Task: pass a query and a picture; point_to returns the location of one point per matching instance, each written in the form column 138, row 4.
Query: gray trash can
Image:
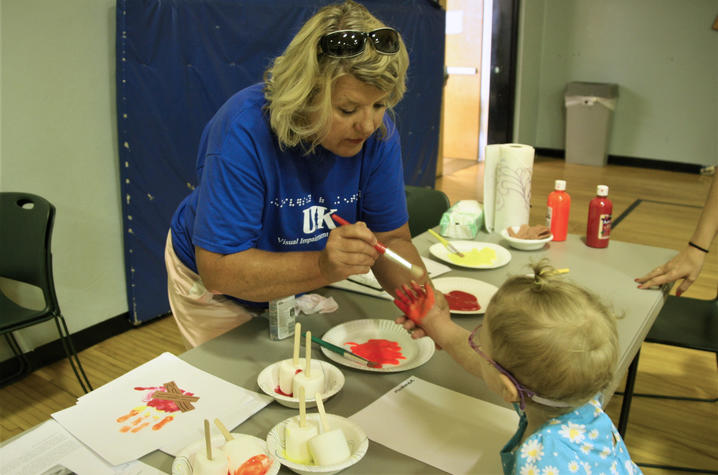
column 589, row 110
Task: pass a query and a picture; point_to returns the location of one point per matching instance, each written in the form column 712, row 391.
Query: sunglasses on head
column 348, row 43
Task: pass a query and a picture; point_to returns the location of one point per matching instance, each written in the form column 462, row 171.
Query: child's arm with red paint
column 415, row 302
column 425, row 312
column 434, row 319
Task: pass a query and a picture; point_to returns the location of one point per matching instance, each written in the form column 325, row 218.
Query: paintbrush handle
column 394, row 256
column 338, row 349
column 439, row 237
column 446, row 243
column 340, row 220
column 380, row 247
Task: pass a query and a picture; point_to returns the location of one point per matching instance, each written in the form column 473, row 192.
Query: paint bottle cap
column 602, row 190
column 560, row 185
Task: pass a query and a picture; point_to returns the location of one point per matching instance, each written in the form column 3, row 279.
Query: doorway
column 461, row 125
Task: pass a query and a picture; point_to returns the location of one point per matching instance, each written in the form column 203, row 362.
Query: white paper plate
column 415, row 352
column 483, row 291
column 182, row 466
column 268, row 380
column 503, row 256
column 356, row 439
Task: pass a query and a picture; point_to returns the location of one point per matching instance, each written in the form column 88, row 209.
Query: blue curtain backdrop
column 179, row 60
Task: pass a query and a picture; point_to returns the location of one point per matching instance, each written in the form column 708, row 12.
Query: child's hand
column 415, row 303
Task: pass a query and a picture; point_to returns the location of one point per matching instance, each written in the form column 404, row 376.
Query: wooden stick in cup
column 207, row 439
column 297, row 342
column 322, row 413
column 227, row 435
column 302, row 407
column 308, row 354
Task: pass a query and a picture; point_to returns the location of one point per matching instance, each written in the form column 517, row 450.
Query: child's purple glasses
column 524, row 392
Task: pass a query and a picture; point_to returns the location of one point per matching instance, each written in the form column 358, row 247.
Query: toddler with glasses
column 550, row 347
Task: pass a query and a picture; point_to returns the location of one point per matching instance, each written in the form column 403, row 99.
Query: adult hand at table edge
column 687, row 265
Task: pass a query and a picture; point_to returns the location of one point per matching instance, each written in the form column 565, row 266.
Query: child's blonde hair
column 555, row 337
column 298, row 84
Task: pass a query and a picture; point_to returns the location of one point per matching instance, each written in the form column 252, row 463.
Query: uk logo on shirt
column 316, row 218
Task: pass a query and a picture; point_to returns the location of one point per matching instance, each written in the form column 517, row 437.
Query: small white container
column 525, row 244
column 268, row 382
column 356, row 439
column 282, row 316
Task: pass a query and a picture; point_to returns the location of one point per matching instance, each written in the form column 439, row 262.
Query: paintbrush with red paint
column 417, row 272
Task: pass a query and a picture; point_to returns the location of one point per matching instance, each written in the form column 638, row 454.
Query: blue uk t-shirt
column 252, row 194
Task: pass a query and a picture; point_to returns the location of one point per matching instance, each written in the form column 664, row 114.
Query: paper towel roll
column 507, row 185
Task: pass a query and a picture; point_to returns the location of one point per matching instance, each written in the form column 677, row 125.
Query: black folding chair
column 26, row 223
column 683, row 322
column 426, row 206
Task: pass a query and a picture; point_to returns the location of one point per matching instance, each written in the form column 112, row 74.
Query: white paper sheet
column 507, row 185
column 49, row 448
column 367, row 283
column 121, row 421
column 442, row 428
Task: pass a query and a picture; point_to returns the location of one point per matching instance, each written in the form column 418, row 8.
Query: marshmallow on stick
column 330, row 447
column 234, row 449
column 311, row 381
column 211, row 461
column 298, row 432
column 288, row 368
column 241, row 455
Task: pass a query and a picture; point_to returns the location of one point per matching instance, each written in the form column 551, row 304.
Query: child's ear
column 508, row 390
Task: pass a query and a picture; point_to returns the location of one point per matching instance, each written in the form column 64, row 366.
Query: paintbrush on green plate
column 345, row 353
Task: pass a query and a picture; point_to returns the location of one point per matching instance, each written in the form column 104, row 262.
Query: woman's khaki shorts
column 200, row 314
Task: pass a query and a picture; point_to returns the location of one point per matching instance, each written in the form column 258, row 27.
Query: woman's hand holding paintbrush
column 417, row 272
column 348, row 251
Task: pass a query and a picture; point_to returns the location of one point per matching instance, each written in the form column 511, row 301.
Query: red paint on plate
column 462, row 301
column 379, row 351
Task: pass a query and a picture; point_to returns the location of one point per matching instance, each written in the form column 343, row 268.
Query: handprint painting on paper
column 161, row 403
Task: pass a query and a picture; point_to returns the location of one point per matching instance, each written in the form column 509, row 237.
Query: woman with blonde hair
column 277, row 160
column 549, row 347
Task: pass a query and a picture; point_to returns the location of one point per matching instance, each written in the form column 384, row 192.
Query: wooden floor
column 664, row 207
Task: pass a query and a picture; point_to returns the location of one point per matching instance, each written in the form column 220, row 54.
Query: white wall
column 663, row 54
column 58, row 139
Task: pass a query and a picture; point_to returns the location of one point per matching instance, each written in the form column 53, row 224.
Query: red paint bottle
column 557, row 210
column 598, row 228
